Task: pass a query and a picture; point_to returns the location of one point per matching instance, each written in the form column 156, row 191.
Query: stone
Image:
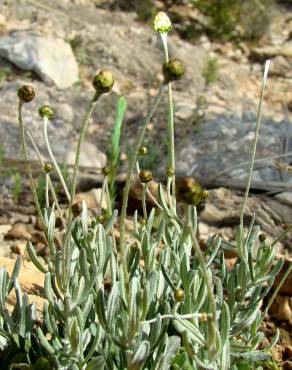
column 90, row 156
column 92, row 199
column 281, row 66
column 50, row 58
column 285, row 197
column 31, row 282
column 269, row 51
column 282, row 308
column 18, row 231
column 286, row 288
column 221, row 150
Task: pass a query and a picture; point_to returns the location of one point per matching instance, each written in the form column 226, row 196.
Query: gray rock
column 226, row 143
column 285, row 197
column 51, row 58
column 272, row 51
column 90, row 156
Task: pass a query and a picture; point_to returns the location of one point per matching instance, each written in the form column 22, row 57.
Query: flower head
column 173, row 70
column 48, row 167
column 26, row 93
column 145, row 176
column 103, row 82
column 162, row 23
column 46, row 111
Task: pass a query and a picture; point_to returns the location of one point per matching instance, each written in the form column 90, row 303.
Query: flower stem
column 253, row 154
column 170, row 124
column 85, row 123
column 27, row 165
column 130, row 171
column 57, row 168
column 201, row 261
column 51, row 188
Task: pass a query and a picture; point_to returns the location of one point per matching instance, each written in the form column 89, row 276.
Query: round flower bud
column 203, row 317
column 46, row 111
column 173, row 70
column 48, row 167
column 105, row 170
column 262, row 237
column 103, row 82
column 26, row 93
column 143, row 150
column 76, row 209
column 145, row 176
column 179, row 295
column 205, row 193
column 100, row 219
column 161, row 23
column 170, row 172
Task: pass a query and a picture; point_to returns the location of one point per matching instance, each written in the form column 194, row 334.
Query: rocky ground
column 58, row 46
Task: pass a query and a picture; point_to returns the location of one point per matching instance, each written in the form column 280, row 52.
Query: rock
column 285, row 197
column 92, row 199
column 30, row 279
column 19, row 247
column 222, row 209
column 281, row 66
column 266, row 52
column 287, row 286
column 51, row 58
column 4, row 245
column 17, row 231
column 221, row 145
column 90, row 156
column 288, row 351
column 282, row 308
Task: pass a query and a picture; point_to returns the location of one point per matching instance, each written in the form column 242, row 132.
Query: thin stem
column 27, row 165
column 170, row 316
column 170, row 124
column 108, row 195
column 57, row 168
column 151, row 196
column 101, row 196
column 258, row 123
column 282, row 235
column 85, row 123
column 47, row 190
column 201, row 261
column 51, row 188
column 130, row 171
column 144, row 191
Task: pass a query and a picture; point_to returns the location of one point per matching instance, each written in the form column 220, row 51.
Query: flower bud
column 100, row 219
column 145, row 176
column 162, row 23
column 103, row 82
column 203, row 317
column 26, row 93
column 76, row 209
column 170, row 172
column 48, row 167
column 205, row 194
column 262, row 237
column 46, row 111
column 179, row 295
column 105, row 170
column 173, row 70
column 143, row 151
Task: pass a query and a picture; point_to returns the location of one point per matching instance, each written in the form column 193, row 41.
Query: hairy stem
column 56, row 166
column 130, row 171
column 253, row 154
column 170, row 124
column 85, row 123
column 201, row 261
column 27, row 165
